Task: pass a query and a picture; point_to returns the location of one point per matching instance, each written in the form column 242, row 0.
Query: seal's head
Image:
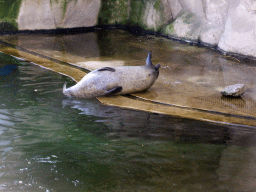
column 150, row 64
column 157, row 67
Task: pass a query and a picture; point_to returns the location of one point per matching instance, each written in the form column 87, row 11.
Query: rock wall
column 229, row 25
column 202, row 20
column 239, row 34
column 53, row 14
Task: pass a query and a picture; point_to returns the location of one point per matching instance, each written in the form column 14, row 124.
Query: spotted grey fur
column 115, row 80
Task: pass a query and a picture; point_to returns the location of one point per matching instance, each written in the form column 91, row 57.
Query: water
column 51, row 143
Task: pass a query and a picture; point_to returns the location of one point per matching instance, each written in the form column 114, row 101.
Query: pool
column 52, row 143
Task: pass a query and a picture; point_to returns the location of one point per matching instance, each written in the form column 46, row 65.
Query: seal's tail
column 64, row 87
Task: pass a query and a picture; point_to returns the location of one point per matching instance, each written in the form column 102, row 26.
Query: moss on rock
column 113, row 12
column 6, row 26
column 9, row 10
column 146, row 14
column 137, row 9
column 186, row 26
column 157, row 5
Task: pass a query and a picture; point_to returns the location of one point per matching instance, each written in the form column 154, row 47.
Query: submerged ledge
column 68, row 66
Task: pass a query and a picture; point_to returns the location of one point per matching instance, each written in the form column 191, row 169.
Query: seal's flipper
column 64, row 87
column 148, row 60
column 114, row 90
column 107, row 69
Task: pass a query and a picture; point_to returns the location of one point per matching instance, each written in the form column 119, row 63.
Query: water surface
column 51, row 143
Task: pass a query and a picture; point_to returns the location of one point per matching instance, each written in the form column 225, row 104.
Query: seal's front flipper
column 114, row 90
column 107, row 69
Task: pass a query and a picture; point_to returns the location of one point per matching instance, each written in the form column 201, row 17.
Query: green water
column 51, row 143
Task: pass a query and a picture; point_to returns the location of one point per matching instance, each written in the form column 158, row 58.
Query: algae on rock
column 113, row 12
column 153, row 16
column 9, row 10
column 146, row 14
column 137, row 9
column 186, row 26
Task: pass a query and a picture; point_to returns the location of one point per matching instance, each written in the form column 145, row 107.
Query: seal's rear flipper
column 114, row 90
column 148, row 60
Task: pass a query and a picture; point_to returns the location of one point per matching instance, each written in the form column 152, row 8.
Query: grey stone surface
column 239, row 35
column 236, row 90
column 202, row 20
column 215, row 17
column 186, row 26
column 45, row 14
column 36, row 15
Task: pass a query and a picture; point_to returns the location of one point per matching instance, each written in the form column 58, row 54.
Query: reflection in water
column 7, row 69
column 81, row 45
column 52, row 143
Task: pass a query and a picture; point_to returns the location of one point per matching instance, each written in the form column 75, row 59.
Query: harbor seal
column 115, row 81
